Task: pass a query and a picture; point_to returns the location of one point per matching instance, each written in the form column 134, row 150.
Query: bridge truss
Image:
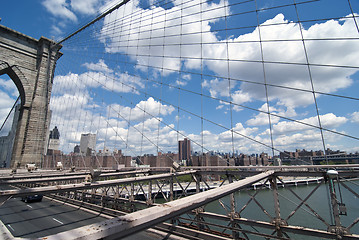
column 190, row 203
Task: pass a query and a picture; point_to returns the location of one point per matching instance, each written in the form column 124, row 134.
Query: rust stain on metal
column 125, row 220
column 165, row 205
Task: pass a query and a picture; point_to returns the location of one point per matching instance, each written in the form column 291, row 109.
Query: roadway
column 40, row 219
column 44, row 218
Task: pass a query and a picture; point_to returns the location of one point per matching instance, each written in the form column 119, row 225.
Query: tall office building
column 184, row 149
column 88, row 141
column 54, row 139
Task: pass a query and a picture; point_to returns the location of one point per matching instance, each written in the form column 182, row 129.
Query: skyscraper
column 54, row 139
column 184, row 149
column 88, row 141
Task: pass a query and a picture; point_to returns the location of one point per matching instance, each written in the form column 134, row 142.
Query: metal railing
column 211, row 202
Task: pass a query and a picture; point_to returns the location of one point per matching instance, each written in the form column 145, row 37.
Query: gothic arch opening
column 10, row 103
column 16, row 76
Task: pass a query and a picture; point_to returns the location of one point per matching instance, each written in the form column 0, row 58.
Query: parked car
column 32, row 198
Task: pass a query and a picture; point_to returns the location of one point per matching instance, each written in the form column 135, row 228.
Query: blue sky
column 169, row 78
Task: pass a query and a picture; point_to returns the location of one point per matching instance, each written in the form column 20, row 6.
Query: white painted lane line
column 11, row 227
column 57, row 221
column 29, row 206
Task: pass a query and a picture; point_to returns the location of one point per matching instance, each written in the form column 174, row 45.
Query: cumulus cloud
column 184, row 80
column 291, row 135
column 71, row 11
column 119, row 126
column 239, row 132
column 9, row 87
column 8, row 96
column 242, row 140
column 6, row 103
column 165, row 41
column 99, row 76
column 56, row 31
column 162, row 41
column 87, row 7
column 101, row 66
column 143, row 110
column 328, row 121
column 262, row 117
column 68, row 9
column 60, row 8
column 326, row 79
column 355, row 117
column 217, row 88
column 157, row 35
column 65, row 104
column 239, row 97
column 309, row 140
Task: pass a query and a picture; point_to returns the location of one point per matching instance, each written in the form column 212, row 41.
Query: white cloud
column 262, row 117
column 67, row 9
column 60, row 8
column 217, row 88
column 299, row 140
column 69, row 83
column 184, row 80
column 326, row 79
column 143, row 110
column 239, row 132
column 8, row 96
column 64, row 104
column 155, row 49
column 6, row 102
column 160, row 45
column 328, row 121
column 101, row 76
column 239, row 97
column 121, row 127
column 355, row 117
column 87, row 7
column 56, row 31
column 10, row 87
column 309, row 140
column 242, row 140
column 101, row 66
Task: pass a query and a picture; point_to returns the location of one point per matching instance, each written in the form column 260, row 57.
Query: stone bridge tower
column 30, row 63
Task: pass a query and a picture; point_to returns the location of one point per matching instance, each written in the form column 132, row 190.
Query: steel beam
column 278, row 168
column 68, row 178
column 289, row 229
column 346, row 171
column 188, row 232
column 39, row 175
column 85, row 186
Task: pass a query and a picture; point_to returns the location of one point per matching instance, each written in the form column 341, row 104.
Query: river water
column 288, row 202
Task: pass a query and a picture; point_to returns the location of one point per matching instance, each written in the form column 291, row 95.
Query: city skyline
column 184, row 146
